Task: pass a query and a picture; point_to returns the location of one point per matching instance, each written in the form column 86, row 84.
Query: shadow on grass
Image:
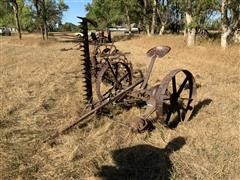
column 142, row 162
column 200, row 105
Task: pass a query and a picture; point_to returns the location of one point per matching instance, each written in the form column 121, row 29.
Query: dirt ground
column 40, row 88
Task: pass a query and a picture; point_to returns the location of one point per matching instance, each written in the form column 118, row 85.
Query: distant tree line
column 68, row 27
column 157, row 16
column 32, row 15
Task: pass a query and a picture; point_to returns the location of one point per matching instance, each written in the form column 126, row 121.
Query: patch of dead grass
column 41, row 90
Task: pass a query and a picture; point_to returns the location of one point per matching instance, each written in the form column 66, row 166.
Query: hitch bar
column 83, row 119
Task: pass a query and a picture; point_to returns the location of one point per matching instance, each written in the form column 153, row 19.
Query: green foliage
column 200, row 10
column 48, row 11
column 26, row 20
column 29, row 19
column 54, row 12
column 68, row 27
column 192, row 25
column 213, row 25
column 6, row 14
column 112, row 12
column 103, row 12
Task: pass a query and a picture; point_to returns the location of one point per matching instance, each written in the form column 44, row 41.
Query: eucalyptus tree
column 15, row 5
column 26, row 19
column 164, row 14
column 146, row 17
column 114, row 12
column 104, row 12
column 16, row 13
column 230, row 19
column 196, row 12
column 47, row 14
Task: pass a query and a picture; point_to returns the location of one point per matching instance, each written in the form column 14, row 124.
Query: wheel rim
column 176, row 97
column 112, row 79
column 104, row 51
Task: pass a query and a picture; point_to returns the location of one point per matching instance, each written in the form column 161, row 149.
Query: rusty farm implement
column 169, row 101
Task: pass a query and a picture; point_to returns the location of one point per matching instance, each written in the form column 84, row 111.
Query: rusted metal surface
column 86, row 62
column 104, row 50
column 106, row 64
column 178, row 103
column 116, row 76
column 158, row 51
column 168, row 102
column 168, row 105
column 153, row 53
column 83, row 119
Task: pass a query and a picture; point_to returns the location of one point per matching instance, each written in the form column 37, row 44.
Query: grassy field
column 40, row 90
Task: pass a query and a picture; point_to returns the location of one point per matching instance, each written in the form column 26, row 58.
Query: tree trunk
column 146, row 24
column 162, row 22
column 128, row 20
column 224, row 36
column 16, row 14
column 45, row 29
column 45, row 26
column 228, row 26
column 42, row 31
column 154, row 16
column 185, row 32
column 191, row 38
column 39, row 18
column 225, row 26
column 236, row 18
column 139, row 26
column 162, row 29
column 148, row 29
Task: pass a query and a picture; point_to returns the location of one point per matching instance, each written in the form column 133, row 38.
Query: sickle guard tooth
column 86, row 64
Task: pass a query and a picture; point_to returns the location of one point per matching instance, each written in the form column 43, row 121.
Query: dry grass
column 40, row 90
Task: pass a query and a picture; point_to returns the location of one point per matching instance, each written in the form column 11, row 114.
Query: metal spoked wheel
column 105, row 50
column 112, row 79
column 177, row 97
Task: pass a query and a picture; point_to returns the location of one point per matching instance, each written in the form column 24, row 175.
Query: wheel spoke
column 111, row 69
column 182, row 98
column 168, row 116
column 117, row 71
column 182, row 86
column 114, row 74
column 177, row 95
column 185, row 108
column 122, row 78
column 167, row 99
column 174, row 85
column 108, row 93
column 119, row 82
column 179, row 113
column 109, row 79
column 117, row 75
